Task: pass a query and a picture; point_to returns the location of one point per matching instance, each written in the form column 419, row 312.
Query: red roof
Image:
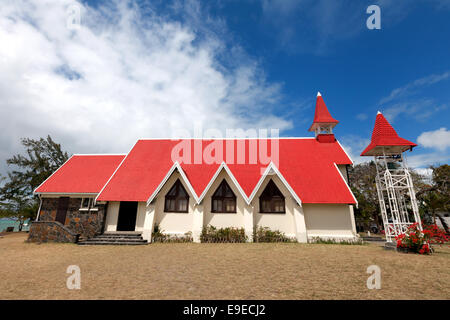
column 81, row 174
column 322, row 115
column 306, row 164
column 384, row 135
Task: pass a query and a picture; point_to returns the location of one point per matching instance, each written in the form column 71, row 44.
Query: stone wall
column 50, row 231
column 84, row 223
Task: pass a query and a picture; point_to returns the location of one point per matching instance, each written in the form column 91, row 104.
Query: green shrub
column 320, row 240
column 264, row 234
column 159, row 236
column 211, row 234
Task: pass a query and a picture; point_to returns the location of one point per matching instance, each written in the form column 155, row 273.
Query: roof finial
column 379, row 112
column 318, row 94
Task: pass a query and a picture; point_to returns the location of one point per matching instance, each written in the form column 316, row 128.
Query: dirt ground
column 218, row 271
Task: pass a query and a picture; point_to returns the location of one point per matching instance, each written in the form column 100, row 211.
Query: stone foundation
column 84, row 224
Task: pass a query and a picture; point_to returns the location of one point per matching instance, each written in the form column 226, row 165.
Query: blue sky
column 310, row 46
column 134, row 69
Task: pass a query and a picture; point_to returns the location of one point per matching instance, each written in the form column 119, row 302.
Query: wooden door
column 63, row 205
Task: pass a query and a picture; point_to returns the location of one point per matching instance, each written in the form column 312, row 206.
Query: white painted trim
column 34, row 191
column 345, row 151
column 186, row 180
column 223, row 165
column 65, row 194
column 348, row 187
column 120, row 164
column 177, row 166
column 272, row 166
column 39, row 210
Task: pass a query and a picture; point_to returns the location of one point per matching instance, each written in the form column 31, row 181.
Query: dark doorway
column 63, row 205
column 127, row 216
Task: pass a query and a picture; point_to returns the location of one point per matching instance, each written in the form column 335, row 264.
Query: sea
column 7, row 222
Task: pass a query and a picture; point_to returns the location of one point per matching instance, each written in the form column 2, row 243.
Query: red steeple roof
column 322, row 115
column 384, row 135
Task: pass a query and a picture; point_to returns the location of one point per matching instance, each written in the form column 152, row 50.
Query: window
column 88, row 204
column 177, row 199
column 85, row 203
column 223, row 200
column 271, row 200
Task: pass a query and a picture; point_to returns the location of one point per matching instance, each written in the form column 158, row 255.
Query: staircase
column 115, row 238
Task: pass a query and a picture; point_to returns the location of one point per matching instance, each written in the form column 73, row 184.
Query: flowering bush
column 414, row 240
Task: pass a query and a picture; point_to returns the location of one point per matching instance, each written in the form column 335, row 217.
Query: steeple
column 323, row 123
column 395, row 188
column 385, row 139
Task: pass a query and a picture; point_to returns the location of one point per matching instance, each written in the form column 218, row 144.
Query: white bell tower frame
column 395, row 189
column 396, row 194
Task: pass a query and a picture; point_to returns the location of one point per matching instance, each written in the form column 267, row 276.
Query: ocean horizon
column 8, row 222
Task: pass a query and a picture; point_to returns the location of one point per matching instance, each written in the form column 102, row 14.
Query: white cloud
column 354, row 145
column 426, row 173
column 437, row 139
column 361, row 116
column 411, row 87
column 419, row 109
column 124, row 74
column 425, row 160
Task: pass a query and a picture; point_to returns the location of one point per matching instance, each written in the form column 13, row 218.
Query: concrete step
column 118, row 243
column 131, row 233
column 116, row 240
column 119, row 238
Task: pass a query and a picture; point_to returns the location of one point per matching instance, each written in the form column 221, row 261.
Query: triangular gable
column 176, row 166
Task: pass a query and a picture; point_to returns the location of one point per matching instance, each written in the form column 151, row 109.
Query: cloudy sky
column 97, row 75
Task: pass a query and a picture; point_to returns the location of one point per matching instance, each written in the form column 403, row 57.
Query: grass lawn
column 218, row 271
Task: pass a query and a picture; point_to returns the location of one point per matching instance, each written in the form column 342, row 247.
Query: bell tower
column 395, row 189
column 323, row 123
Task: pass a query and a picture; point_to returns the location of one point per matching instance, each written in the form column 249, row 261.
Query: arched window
column 223, row 200
column 177, row 199
column 271, row 199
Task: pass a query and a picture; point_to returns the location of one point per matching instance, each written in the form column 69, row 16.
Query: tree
column 436, row 197
column 362, row 183
column 42, row 158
